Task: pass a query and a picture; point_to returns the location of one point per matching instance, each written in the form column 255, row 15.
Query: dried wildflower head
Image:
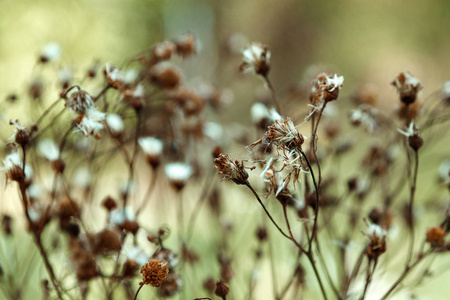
column 115, row 125
column 222, row 289
column 13, row 165
column 435, row 236
column 284, row 135
column 186, row 45
column 256, row 59
column 178, row 174
column 114, row 77
column 154, row 272
column 163, row 51
column 91, row 122
column 165, row 75
column 326, row 88
column 407, row 87
column 415, row 141
column 231, row 170
column 152, row 148
column 50, row 52
column 377, row 241
column 22, row 136
column 79, row 101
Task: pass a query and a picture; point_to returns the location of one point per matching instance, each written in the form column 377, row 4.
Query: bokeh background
column 365, row 41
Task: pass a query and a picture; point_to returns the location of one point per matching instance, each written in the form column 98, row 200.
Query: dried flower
column 231, row 170
column 79, row 102
column 326, row 88
column 92, row 122
column 178, row 173
column 13, row 165
column 163, row 51
column 154, row 273
column 49, row 52
column 256, row 59
column 377, row 241
column 22, row 135
column 415, row 141
column 152, row 148
column 407, row 86
column 435, row 236
column 222, row 289
column 165, row 75
column 284, row 135
column 114, row 77
column 186, row 45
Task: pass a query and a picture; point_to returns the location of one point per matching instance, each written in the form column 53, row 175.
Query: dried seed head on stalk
column 415, row 141
column 231, row 170
column 435, row 236
column 377, row 241
column 284, row 135
column 178, row 174
column 79, row 101
column 49, row 52
column 326, row 88
column 91, row 122
column 256, row 59
column 22, row 136
column 114, row 77
column 152, row 148
column 407, row 87
column 12, row 164
column 154, row 272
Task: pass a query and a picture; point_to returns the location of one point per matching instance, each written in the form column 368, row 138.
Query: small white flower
column 151, row 145
column 92, row 122
column 48, row 149
column 138, row 91
column 51, row 51
column 115, row 123
column 178, row 171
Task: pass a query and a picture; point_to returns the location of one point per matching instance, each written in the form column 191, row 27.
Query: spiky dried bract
column 256, row 59
column 154, row 272
column 284, row 135
column 407, row 86
column 231, row 170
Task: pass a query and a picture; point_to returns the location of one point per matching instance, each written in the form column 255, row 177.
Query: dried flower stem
column 137, row 292
column 369, row 276
column 405, row 273
column 37, row 235
column 411, row 205
column 275, row 98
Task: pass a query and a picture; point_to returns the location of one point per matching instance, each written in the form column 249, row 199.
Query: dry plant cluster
column 345, row 210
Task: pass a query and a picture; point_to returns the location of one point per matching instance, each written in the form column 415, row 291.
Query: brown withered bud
column 407, row 87
column 106, row 241
column 381, row 217
column 412, row 112
column 6, row 224
column 73, row 229
column 352, row 184
column 163, row 51
column 59, row 166
column 130, row 267
column 377, row 241
column 154, row 273
column 165, row 75
column 435, row 236
column 67, row 209
column 326, row 88
column 222, row 289
column 216, row 151
column 226, row 273
column 415, row 141
column 186, row 45
column 84, row 261
column 109, row 203
column 130, row 226
column 209, row 284
column 231, row 170
column 36, row 89
column 22, row 136
column 261, row 233
column 170, row 286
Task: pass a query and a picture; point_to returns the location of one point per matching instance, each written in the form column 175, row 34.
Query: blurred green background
column 362, row 40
